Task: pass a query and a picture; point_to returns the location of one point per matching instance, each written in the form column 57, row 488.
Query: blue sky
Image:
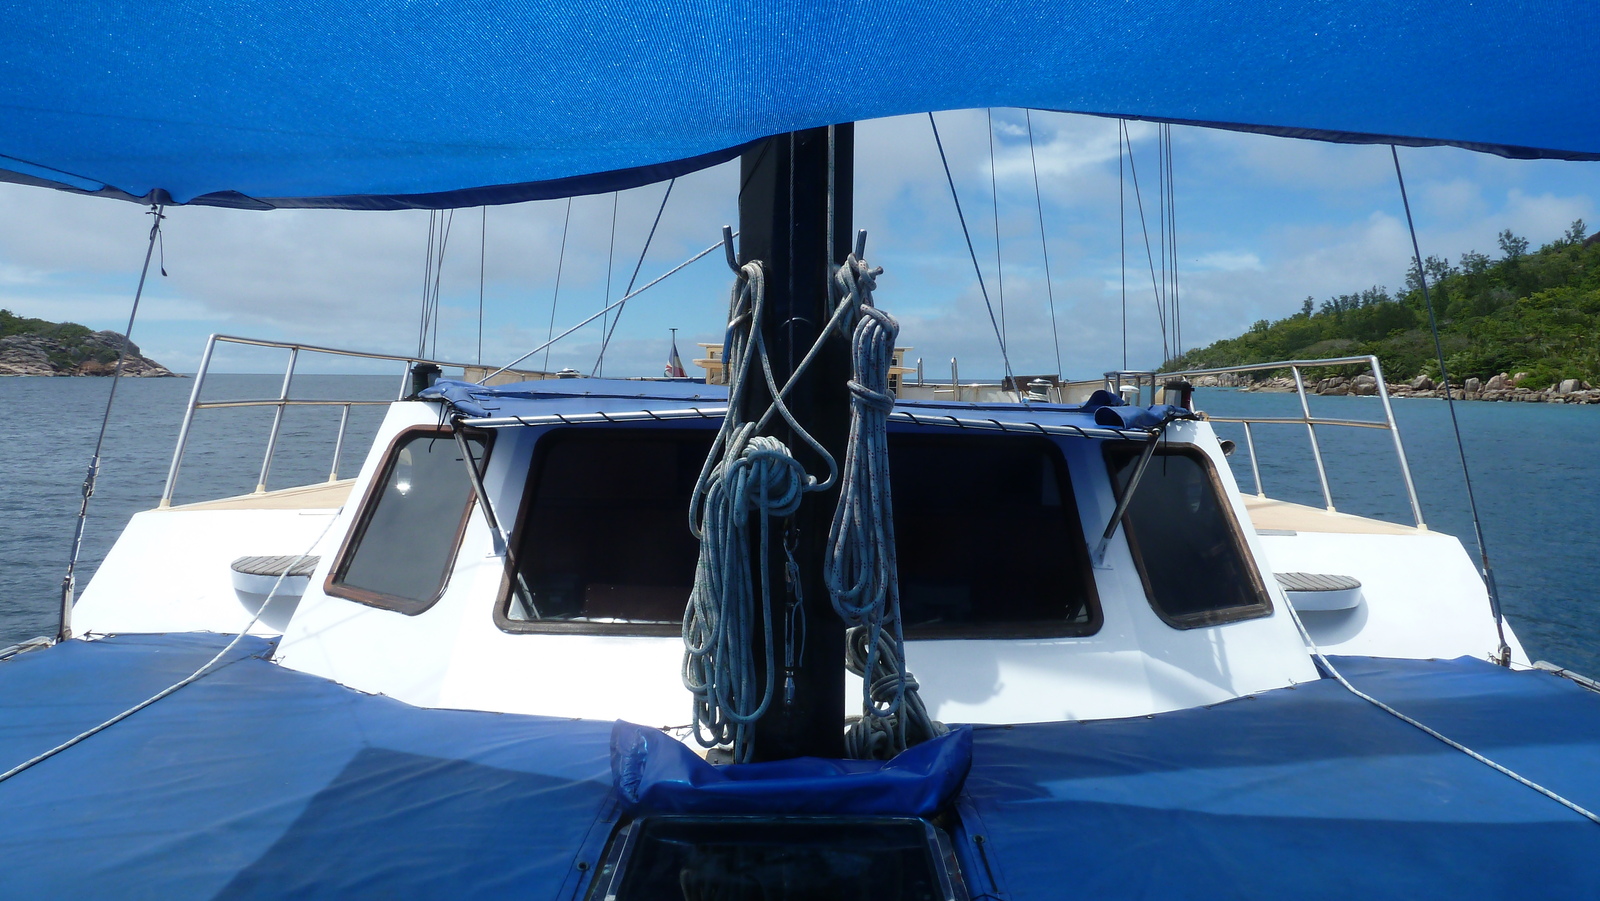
column 1262, row 223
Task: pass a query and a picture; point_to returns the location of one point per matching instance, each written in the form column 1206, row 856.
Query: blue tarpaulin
column 258, row 781
column 1305, row 793
column 395, row 104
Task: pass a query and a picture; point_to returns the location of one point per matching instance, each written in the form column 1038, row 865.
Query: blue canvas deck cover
column 258, row 781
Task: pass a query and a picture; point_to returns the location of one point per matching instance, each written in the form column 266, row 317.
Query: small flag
column 674, row 368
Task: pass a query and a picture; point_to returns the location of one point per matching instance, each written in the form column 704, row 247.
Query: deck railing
column 1116, row 380
column 284, row 401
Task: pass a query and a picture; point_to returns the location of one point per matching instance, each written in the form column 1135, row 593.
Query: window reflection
column 1185, row 540
column 403, row 550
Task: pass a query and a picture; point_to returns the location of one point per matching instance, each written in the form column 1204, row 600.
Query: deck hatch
column 667, row 858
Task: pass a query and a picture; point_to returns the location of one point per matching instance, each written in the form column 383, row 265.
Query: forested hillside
column 40, row 347
column 1535, row 312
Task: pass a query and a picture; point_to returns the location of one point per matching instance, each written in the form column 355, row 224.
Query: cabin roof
column 556, row 397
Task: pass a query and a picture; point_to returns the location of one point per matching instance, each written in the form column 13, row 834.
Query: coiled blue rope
column 745, row 474
column 860, row 568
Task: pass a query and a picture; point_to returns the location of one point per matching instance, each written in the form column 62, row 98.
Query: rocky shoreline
column 92, row 354
column 1503, row 387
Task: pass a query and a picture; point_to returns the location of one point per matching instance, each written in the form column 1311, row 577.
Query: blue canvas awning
column 388, row 105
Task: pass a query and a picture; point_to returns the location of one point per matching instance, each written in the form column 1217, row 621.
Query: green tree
column 1535, row 312
column 1512, row 247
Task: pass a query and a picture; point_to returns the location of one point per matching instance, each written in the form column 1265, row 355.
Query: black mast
column 795, row 194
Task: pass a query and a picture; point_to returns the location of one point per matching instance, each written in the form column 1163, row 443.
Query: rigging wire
column 994, row 198
column 438, row 274
column 483, row 243
column 1122, row 232
column 1162, row 297
column 611, row 257
column 561, row 261
column 998, row 334
column 1503, row 653
column 1172, row 236
column 1038, row 201
column 69, row 582
column 624, row 299
column 601, row 359
column 1138, row 196
column 433, row 270
column 427, row 280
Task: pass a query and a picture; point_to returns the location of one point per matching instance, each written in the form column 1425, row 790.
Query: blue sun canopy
column 387, row 105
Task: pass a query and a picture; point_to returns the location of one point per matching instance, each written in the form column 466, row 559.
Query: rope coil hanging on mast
column 747, row 473
column 744, row 473
column 860, row 568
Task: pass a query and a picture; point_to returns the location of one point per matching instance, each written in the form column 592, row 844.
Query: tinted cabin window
column 989, row 538
column 606, row 533
column 1185, row 540
column 411, row 526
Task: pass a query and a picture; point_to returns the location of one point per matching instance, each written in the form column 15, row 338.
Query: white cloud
column 99, row 308
column 1229, row 261
column 21, row 275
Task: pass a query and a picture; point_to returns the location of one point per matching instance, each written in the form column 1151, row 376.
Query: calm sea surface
column 1533, row 468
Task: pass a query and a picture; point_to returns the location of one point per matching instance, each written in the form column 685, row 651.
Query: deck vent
column 1320, row 591
column 255, row 577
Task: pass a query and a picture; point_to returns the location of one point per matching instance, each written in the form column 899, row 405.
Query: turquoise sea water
column 1533, row 467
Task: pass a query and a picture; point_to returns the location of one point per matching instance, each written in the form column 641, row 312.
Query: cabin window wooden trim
column 1076, row 549
column 333, row 585
column 1116, row 453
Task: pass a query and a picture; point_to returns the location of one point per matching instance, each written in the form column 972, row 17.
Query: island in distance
column 39, row 347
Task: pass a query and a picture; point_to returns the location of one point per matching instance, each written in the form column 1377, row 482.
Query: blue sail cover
column 387, row 105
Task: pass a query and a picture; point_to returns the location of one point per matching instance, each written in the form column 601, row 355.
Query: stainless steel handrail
column 277, row 421
column 301, row 402
column 283, row 400
column 1115, row 379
